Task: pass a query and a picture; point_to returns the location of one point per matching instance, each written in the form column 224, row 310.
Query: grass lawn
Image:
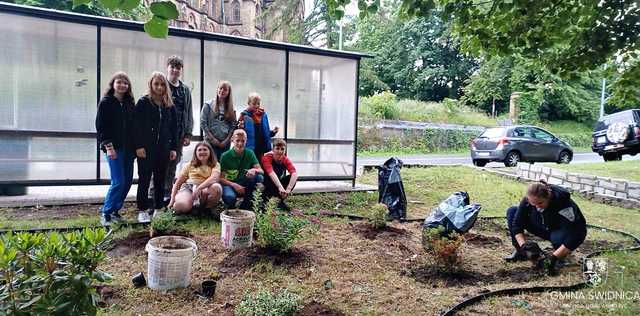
column 373, row 272
column 629, row 169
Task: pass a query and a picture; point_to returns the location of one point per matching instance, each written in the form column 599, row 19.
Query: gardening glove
column 531, row 250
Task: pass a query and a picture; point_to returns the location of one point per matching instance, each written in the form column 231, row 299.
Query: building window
column 235, row 11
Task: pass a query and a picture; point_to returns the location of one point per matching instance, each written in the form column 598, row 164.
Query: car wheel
column 612, row 157
column 479, row 163
column 512, row 159
column 565, row 157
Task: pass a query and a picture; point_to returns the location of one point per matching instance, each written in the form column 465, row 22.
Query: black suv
column 617, row 134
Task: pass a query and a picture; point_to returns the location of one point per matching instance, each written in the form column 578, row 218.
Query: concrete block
column 559, row 173
column 599, row 190
column 546, row 170
column 554, row 180
column 607, row 184
column 575, row 186
column 610, row 192
column 588, row 180
column 621, row 194
column 633, row 185
column 523, row 166
column 572, row 177
column 634, row 194
column 620, row 185
column 588, row 188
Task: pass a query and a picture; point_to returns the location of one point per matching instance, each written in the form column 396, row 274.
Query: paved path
column 453, row 159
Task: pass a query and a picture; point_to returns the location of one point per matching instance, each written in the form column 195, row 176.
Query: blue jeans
column 229, row 195
column 219, row 151
column 121, row 170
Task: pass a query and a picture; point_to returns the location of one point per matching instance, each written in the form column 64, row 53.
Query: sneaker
column 155, row 213
column 116, row 217
column 143, row 217
column 105, row 220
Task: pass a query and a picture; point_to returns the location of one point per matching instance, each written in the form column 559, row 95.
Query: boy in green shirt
column 240, row 172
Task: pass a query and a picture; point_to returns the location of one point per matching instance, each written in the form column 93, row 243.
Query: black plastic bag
column 391, row 190
column 454, row 214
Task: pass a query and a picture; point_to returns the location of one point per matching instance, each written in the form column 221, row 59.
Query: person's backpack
column 390, row 188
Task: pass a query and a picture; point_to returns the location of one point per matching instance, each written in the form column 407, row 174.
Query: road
column 436, row 159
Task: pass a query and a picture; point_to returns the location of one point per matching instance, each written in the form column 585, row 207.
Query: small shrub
column 443, row 248
column 278, row 230
column 265, row 303
column 51, row 274
column 378, row 216
column 451, row 105
column 163, row 223
column 382, row 105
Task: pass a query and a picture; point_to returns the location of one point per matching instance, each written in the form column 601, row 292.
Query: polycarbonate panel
column 47, row 158
column 187, row 154
column 322, row 95
column 321, row 160
column 248, row 69
column 139, row 55
column 48, row 75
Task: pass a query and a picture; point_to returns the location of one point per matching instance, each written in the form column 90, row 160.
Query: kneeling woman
column 549, row 213
column 197, row 183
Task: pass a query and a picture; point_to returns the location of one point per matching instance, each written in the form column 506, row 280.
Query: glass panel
column 47, row 158
column 322, row 93
column 48, row 79
column 139, row 55
column 248, row 69
column 321, row 160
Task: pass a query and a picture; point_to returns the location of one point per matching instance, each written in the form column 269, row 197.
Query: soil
column 345, row 268
column 367, row 231
column 318, row 309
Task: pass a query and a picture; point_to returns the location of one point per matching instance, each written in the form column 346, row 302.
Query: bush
column 381, row 105
column 277, row 231
column 378, row 216
column 265, row 303
column 163, row 223
column 51, row 274
column 443, row 248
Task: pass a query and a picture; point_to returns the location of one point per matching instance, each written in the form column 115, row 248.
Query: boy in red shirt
column 276, row 164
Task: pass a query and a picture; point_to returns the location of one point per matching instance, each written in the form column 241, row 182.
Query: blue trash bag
column 454, row 214
column 390, row 188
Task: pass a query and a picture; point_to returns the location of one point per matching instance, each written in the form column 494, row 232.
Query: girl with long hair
column 156, row 140
column 197, row 184
column 218, row 119
column 114, row 125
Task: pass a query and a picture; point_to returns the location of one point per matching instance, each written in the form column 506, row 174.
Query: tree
column 416, row 59
column 564, row 36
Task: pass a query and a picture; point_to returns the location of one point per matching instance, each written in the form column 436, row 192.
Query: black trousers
column 271, row 189
column 155, row 164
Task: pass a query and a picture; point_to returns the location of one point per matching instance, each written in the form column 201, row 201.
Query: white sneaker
column 143, row 217
column 156, row 213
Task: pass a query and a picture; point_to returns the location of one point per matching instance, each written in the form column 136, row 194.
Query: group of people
column 230, row 163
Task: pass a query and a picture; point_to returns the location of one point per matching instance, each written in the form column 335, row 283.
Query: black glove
column 530, row 250
column 548, row 264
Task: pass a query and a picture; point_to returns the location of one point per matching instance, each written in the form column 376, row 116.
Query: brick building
column 235, row 17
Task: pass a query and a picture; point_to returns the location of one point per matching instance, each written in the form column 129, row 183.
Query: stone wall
column 612, row 191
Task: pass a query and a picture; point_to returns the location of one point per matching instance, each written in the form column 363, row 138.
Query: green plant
column 382, row 105
column 443, row 247
column 163, row 223
column 451, row 105
column 265, row 303
column 278, row 230
column 51, row 274
column 378, row 216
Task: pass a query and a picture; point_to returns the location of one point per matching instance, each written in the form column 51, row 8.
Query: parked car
column 617, row 134
column 512, row 144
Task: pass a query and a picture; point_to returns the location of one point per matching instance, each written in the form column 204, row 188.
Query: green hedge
column 415, row 141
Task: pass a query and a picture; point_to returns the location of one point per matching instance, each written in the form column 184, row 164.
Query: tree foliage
column 564, row 36
column 415, row 59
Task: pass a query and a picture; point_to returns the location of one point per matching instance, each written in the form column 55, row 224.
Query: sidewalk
column 58, row 195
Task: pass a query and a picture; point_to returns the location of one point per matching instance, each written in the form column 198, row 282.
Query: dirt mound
column 482, row 240
column 318, row 309
column 435, row 277
column 135, row 243
column 367, row 231
column 242, row 259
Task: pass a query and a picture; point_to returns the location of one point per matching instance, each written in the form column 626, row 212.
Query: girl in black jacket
column 114, row 126
column 155, row 141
